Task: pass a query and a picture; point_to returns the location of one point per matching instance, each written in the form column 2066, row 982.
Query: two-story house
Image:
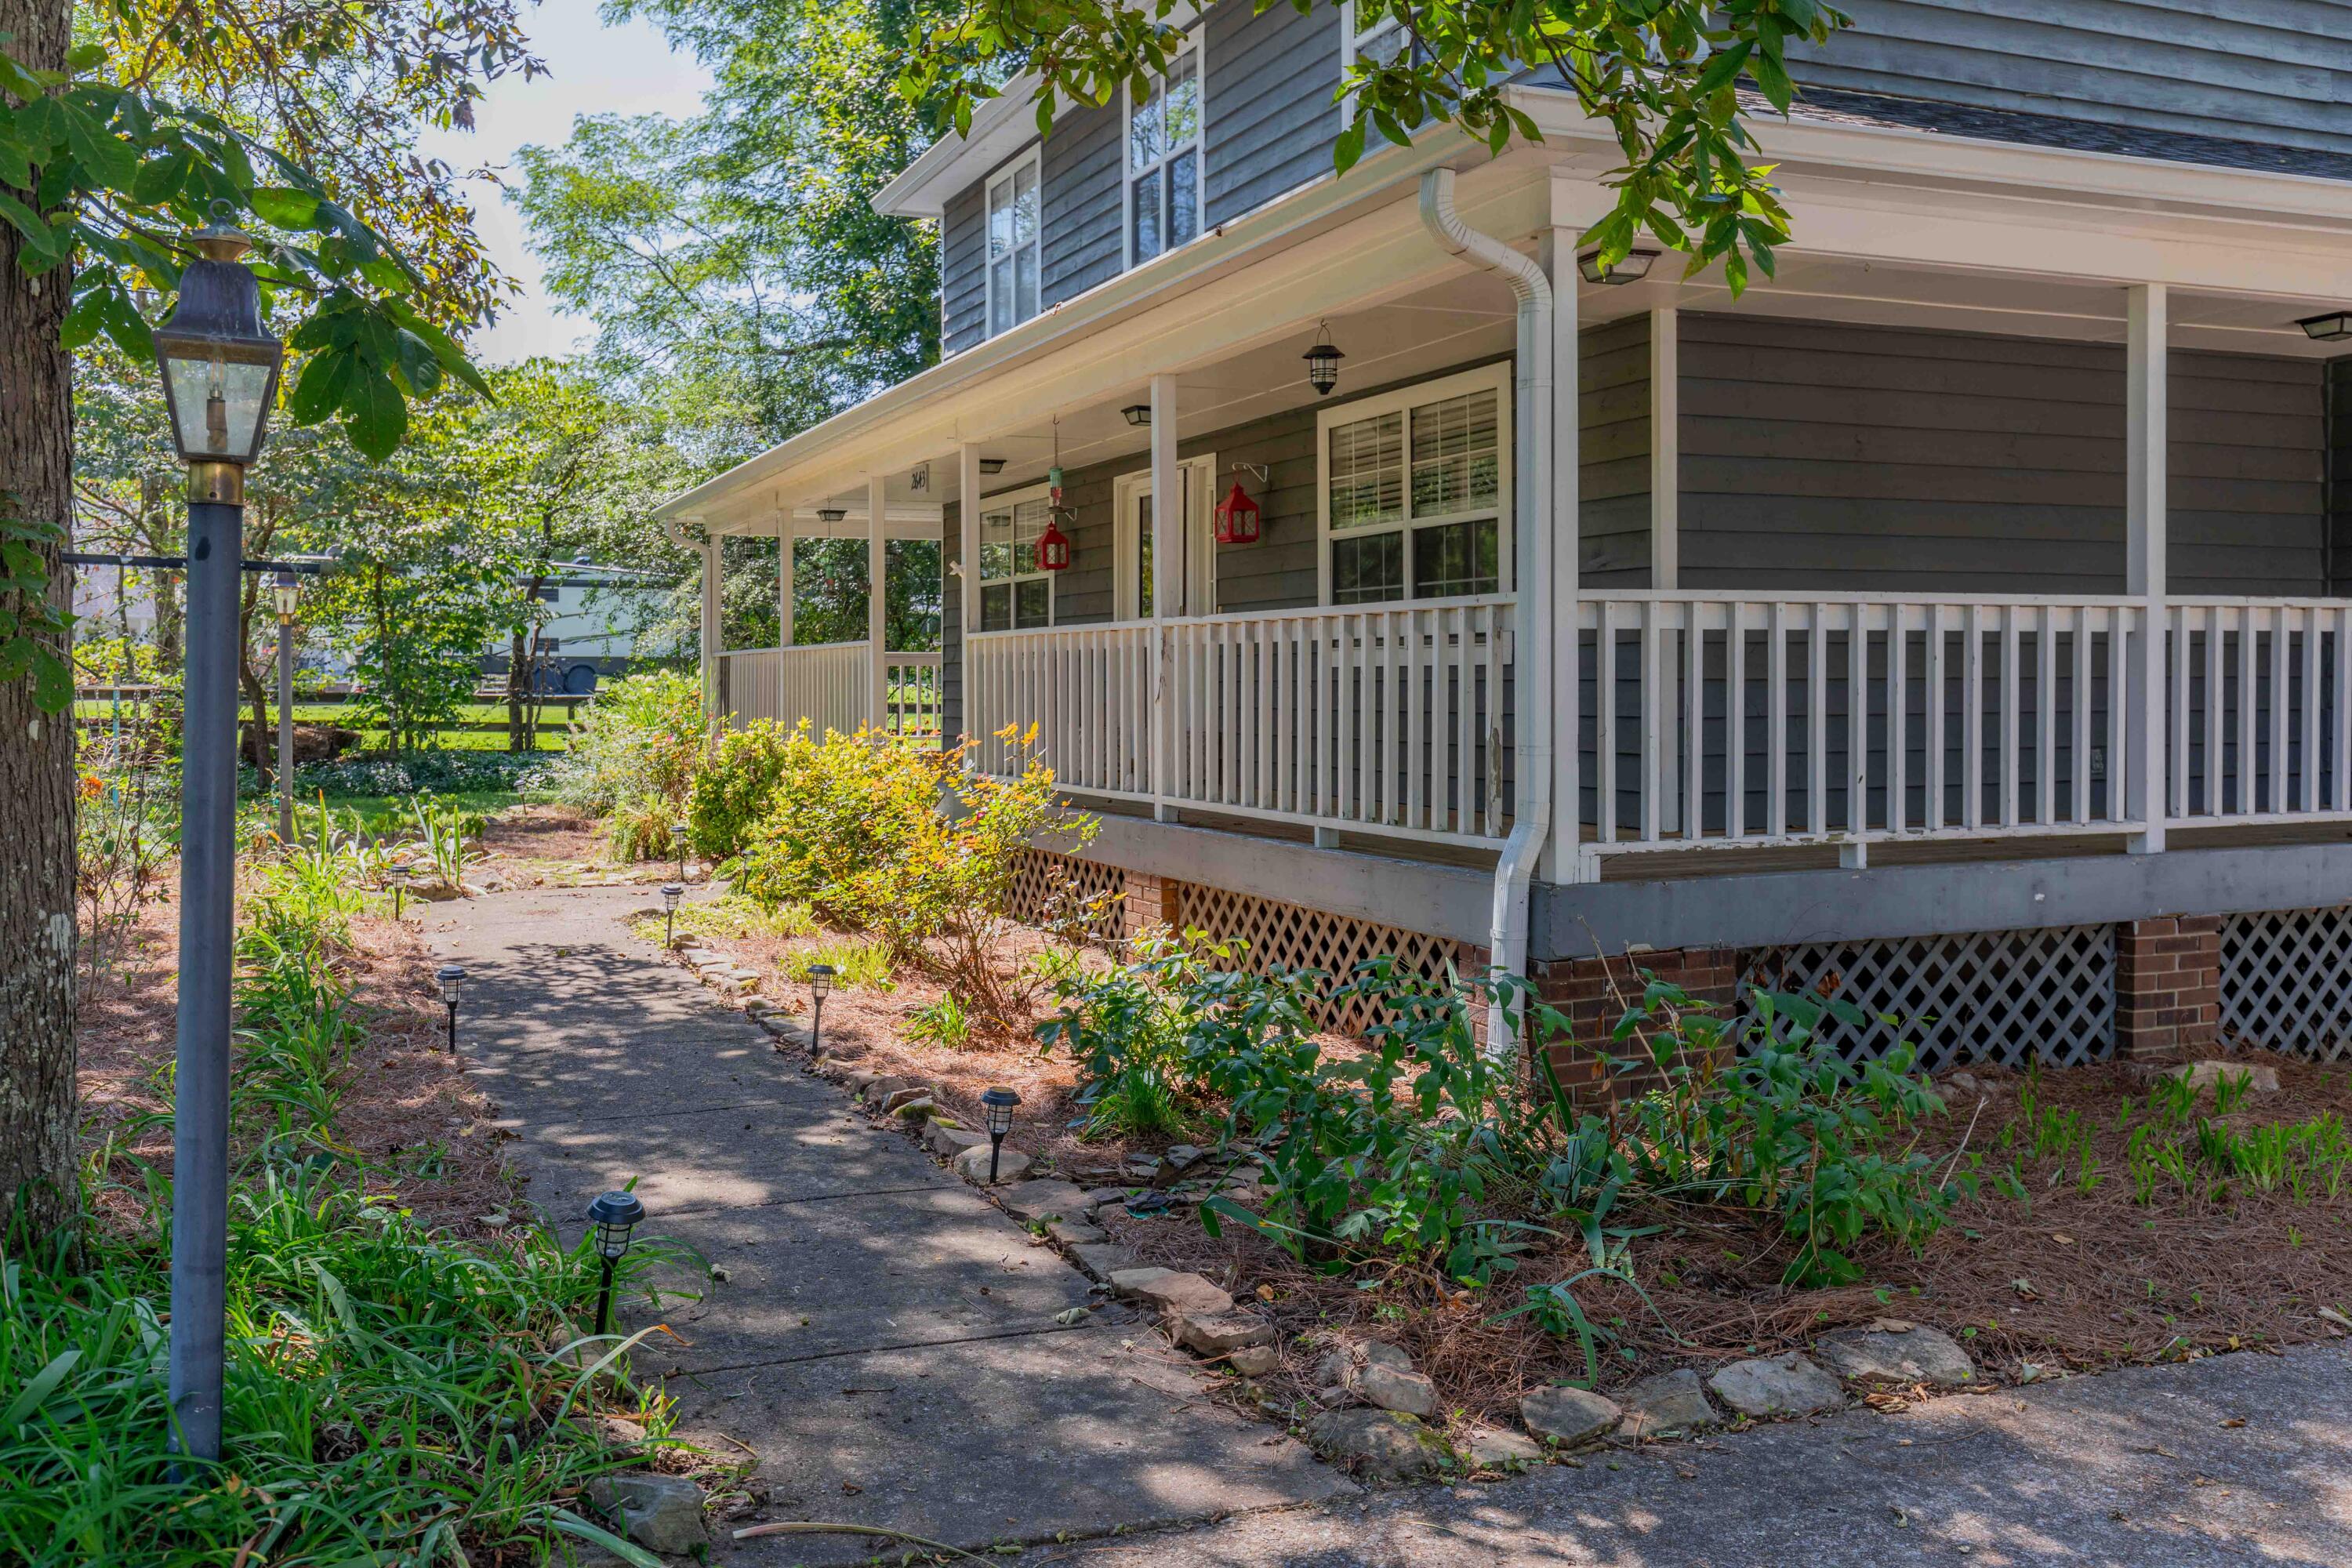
column 1959, row 614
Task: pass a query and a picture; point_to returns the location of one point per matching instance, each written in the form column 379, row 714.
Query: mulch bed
column 2064, row 1280
column 423, row 1128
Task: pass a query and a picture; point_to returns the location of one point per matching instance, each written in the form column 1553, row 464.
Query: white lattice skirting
column 1292, row 936
column 2007, row 996
column 1049, row 888
column 2286, row 981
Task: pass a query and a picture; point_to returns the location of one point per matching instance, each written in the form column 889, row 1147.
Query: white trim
column 1350, row 38
column 1196, row 49
column 999, row 125
column 1010, row 169
column 1495, row 377
column 1005, row 501
column 1200, row 545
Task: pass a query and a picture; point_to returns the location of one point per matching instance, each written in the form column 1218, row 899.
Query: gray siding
column 1612, row 400
column 963, row 286
column 1271, row 117
column 1079, row 171
column 1863, row 458
column 2275, row 71
column 2339, row 474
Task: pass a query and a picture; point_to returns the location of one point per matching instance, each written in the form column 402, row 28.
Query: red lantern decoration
column 1052, row 545
column 1237, row 518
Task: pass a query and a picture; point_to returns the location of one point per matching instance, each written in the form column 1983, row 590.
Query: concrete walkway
column 884, row 1341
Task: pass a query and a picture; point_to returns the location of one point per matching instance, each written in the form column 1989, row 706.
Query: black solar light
column 398, row 877
column 671, row 893
column 451, row 976
column 820, row 987
column 614, row 1216
column 998, row 1103
column 677, row 831
column 1323, row 362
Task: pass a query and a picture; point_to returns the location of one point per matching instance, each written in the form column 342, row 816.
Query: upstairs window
column 1163, row 163
column 1415, row 488
column 1014, row 594
column 1370, row 33
column 1013, row 230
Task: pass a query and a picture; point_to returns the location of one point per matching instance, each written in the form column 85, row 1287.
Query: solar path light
column 998, row 1102
column 820, row 987
column 612, row 1218
column 671, row 893
column 451, row 977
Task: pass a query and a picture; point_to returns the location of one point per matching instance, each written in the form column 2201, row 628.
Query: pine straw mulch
column 2067, row 1280
column 425, row 1131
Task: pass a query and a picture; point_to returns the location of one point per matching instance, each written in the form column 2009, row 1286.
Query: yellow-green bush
column 734, row 784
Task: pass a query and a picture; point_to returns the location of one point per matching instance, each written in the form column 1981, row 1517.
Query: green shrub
column 944, row 1023
column 735, row 786
column 857, row 965
column 1125, row 1030
column 638, row 737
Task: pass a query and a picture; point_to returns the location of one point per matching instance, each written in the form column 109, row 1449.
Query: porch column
column 877, row 585
column 784, row 577
column 1564, row 860
column 710, row 644
column 968, row 504
column 2145, row 454
column 1167, row 583
column 1665, row 448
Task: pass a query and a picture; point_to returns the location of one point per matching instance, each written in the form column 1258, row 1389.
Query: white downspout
column 1532, row 420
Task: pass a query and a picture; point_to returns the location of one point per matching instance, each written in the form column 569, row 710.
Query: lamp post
column 997, row 1103
column 286, row 593
column 613, row 1216
column 398, row 877
column 820, row 987
column 451, row 976
column 671, row 893
column 220, row 378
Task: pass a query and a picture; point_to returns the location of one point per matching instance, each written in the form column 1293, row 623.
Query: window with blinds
column 1414, row 493
column 1014, row 594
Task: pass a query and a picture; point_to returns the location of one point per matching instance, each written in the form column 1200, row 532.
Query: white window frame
column 1008, row 501
column 1404, row 400
column 1351, row 42
column 1203, row 548
column 1010, row 168
column 1196, row 50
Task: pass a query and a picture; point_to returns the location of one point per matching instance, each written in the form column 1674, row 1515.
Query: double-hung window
column 1163, row 161
column 1012, row 229
column 1014, row 594
column 1416, row 485
column 1370, row 33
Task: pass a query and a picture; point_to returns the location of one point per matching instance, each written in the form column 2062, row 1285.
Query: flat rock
column 1891, row 1350
column 1105, row 1259
column 948, row 1141
column 879, row 1091
column 899, row 1096
column 1383, row 1443
column 2203, row 1074
column 972, row 1164
column 1076, row 1232
column 916, row 1110
column 1671, row 1402
column 1489, row 1450
column 1569, row 1416
column 1216, row 1333
column 662, row 1513
column 1170, row 1291
column 1409, row 1392
column 1043, row 1199
column 1254, row 1360
column 1787, row 1385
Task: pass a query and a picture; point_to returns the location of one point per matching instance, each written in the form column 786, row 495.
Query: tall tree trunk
column 167, row 603
column 36, row 749
column 518, row 673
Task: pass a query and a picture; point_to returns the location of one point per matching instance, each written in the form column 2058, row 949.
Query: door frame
column 1201, row 545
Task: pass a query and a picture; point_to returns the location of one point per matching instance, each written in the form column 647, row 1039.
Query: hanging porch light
column 1323, row 362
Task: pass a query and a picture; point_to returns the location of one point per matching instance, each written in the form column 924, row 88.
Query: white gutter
column 1531, row 816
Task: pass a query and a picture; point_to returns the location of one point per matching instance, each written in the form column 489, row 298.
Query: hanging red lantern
column 1052, row 545
column 1237, row 518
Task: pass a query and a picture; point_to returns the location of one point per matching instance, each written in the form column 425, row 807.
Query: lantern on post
column 998, row 1104
column 1323, row 362
column 611, row 1219
column 450, row 977
column 1237, row 518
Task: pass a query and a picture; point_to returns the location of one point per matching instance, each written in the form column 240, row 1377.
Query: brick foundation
column 1150, row 900
column 2167, row 986
column 1595, row 993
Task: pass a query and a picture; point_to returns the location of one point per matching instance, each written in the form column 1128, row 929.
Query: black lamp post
column 220, row 378
column 286, row 595
column 613, row 1216
column 398, row 877
column 677, row 831
column 998, row 1103
column 451, row 976
column 671, row 893
column 820, row 987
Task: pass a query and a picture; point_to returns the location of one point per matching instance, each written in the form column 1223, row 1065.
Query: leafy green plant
column 734, row 786
column 644, row 828
column 640, row 737
column 1127, row 1028
column 857, row 965
column 944, row 1023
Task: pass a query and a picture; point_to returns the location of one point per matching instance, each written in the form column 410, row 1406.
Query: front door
column 1198, row 597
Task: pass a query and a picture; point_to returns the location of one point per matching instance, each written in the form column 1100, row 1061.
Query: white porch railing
column 911, row 702
column 1390, row 720
column 824, row 683
column 1744, row 723
column 2257, row 696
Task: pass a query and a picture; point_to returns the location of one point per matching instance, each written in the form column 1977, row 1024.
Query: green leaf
column 85, row 320
column 325, row 382
column 281, row 206
column 160, row 179
column 1350, row 147
column 106, row 159
column 571, row 1523
column 376, row 415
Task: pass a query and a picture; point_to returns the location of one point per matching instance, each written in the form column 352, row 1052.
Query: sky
column 593, row 69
